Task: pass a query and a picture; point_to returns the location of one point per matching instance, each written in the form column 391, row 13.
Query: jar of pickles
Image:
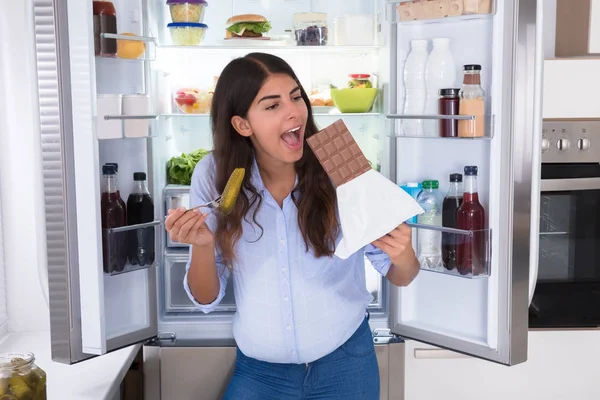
column 20, row 378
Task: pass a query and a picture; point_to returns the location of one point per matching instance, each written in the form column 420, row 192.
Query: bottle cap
column 452, row 92
column 455, row 177
column 139, row 176
column 115, row 164
column 471, row 170
column 109, row 169
column 431, row 184
column 472, row 67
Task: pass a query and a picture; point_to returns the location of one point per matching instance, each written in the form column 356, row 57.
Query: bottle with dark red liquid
column 117, row 185
column 105, row 21
column 140, row 209
column 450, row 206
column 471, row 255
column 113, row 214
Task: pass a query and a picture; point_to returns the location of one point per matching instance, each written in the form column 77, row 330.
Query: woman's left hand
column 398, row 246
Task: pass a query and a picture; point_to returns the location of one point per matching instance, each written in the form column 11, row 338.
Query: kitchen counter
column 95, row 379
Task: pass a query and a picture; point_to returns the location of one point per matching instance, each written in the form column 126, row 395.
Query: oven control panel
column 570, row 141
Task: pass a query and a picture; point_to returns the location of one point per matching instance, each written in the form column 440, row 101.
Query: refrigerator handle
column 536, row 164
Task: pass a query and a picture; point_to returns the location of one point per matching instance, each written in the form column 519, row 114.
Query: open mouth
column 293, row 137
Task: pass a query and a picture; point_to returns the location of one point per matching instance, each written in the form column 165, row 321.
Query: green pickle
column 21, row 379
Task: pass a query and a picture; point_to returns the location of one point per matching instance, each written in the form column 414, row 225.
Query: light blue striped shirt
column 292, row 307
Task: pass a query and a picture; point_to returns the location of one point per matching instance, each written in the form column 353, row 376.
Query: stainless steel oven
column 567, row 293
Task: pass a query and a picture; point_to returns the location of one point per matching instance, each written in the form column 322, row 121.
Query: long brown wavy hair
column 314, row 195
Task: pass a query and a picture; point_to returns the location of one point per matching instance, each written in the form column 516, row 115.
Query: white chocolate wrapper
column 370, row 206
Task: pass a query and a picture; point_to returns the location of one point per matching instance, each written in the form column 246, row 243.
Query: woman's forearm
column 203, row 278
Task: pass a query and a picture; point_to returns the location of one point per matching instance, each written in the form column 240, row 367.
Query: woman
column 300, row 325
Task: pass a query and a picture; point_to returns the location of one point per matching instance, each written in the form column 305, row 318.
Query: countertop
column 98, row 378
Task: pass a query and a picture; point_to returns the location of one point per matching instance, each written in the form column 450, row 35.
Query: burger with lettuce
column 251, row 26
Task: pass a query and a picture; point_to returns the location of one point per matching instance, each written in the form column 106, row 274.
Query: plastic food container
column 310, row 29
column 187, row 10
column 360, row 81
column 193, row 101
column 187, row 33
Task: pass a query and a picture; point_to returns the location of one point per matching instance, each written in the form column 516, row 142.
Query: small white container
column 108, row 104
column 136, row 104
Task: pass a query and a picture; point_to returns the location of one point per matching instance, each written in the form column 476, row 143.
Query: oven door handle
column 574, row 184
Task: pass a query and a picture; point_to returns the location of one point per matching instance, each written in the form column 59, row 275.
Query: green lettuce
column 181, row 168
column 256, row 27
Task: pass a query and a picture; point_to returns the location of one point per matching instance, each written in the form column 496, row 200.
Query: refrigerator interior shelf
column 118, row 244
column 470, row 124
column 316, row 113
column 271, row 47
column 131, row 127
column 409, row 14
column 469, row 251
column 132, row 48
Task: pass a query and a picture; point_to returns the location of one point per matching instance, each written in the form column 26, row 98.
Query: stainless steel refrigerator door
column 498, row 332
column 91, row 314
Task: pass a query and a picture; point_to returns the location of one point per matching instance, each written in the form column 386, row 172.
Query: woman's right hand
column 189, row 227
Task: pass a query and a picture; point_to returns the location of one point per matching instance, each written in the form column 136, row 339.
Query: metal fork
column 213, row 205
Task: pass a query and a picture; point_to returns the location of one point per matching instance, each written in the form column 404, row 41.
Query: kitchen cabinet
column 560, row 365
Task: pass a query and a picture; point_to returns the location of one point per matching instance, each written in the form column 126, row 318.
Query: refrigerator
column 94, row 313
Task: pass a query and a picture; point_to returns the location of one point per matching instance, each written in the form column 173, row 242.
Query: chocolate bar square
column 338, row 153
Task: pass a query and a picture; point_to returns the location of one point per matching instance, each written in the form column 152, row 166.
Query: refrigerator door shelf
column 132, row 48
column 441, row 11
column 132, row 126
column 471, row 129
column 119, row 240
column 474, row 247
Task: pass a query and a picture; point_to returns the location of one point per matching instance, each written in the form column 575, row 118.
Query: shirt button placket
column 282, row 256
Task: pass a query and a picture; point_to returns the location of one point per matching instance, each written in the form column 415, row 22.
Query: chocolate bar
column 338, row 153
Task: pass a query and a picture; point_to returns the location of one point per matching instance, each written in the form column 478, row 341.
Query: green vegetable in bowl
column 180, row 169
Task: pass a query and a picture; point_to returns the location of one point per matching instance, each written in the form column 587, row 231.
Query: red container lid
column 360, row 76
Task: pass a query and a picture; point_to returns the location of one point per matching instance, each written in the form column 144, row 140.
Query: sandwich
column 247, row 26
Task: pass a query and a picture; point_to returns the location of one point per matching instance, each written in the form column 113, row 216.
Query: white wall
column 20, row 169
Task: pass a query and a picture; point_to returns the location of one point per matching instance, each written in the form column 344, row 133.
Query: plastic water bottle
column 414, row 86
column 429, row 242
column 440, row 73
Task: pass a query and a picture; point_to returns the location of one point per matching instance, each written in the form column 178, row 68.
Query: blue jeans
column 348, row 373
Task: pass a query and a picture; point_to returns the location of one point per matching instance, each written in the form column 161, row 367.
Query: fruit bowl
column 354, row 100
column 193, row 101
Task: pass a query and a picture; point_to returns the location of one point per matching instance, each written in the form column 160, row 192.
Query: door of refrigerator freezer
column 92, row 312
column 487, row 317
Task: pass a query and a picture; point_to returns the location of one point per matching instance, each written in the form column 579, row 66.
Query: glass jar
column 448, row 104
column 20, row 378
column 472, row 103
column 360, row 81
column 310, row 29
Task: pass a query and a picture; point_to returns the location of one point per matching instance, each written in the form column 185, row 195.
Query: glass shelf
column 229, row 47
column 430, row 128
column 315, row 113
column 117, row 243
column 130, row 127
column 130, row 44
column 474, row 248
column 406, row 12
